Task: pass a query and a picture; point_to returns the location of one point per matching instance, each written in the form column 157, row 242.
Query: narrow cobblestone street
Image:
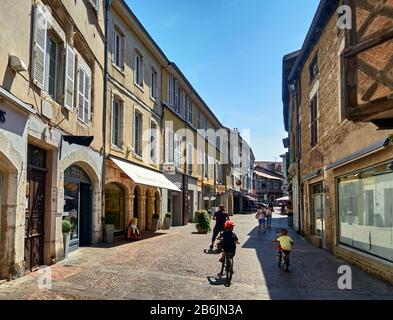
column 173, row 266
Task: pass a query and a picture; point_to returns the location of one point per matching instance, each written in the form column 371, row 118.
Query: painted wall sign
column 2, row 116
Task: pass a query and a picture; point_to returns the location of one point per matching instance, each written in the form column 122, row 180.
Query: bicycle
column 227, row 265
column 283, row 255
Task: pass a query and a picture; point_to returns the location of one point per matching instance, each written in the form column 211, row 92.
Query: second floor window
column 118, row 47
column 314, row 69
column 153, row 83
column 153, row 142
column 117, row 116
column 52, row 66
column 138, row 127
column 84, row 91
column 190, row 114
column 169, row 146
column 171, row 90
column 190, row 158
column 199, row 120
column 314, row 121
column 138, row 69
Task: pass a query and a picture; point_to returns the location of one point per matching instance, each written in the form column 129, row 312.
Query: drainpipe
column 105, row 105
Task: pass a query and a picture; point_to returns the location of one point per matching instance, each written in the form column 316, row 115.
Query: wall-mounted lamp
column 16, row 64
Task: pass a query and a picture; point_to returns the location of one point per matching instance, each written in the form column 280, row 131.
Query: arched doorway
column 157, row 203
column 115, row 205
column 78, row 206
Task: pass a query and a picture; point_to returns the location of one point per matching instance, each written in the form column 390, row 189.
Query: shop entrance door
column 318, row 207
column 35, row 211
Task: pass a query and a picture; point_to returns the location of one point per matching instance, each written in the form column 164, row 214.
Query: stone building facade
column 341, row 170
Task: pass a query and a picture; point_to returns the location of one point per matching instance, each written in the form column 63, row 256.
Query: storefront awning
column 145, row 176
column 267, row 176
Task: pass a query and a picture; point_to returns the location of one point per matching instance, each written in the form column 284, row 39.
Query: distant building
column 274, row 166
column 268, row 184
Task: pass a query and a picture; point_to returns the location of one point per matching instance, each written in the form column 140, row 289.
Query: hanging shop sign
column 2, row 116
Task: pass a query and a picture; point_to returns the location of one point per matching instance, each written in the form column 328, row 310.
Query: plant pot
column 167, row 223
column 66, row 243
column 109, row 231
column 154, row 225
column 201, row 229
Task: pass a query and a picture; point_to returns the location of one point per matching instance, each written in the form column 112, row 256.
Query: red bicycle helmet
column 229, row 225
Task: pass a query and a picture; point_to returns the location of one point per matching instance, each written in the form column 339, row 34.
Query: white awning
column 145, row 176
column 265, row 175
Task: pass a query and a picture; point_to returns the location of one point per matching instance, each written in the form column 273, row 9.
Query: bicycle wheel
column 229, row 271
column 279, row 260
column 286, row 261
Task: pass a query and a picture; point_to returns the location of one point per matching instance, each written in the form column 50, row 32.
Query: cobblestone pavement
column 172, row 265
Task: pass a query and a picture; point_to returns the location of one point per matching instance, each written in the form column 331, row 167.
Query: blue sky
column 231, row 51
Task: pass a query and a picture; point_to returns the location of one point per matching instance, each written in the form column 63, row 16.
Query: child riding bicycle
column 229, row 240
column 285, row 243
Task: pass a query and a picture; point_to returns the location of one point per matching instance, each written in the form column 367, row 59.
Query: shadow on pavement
column 121, row 240
column 217, row 281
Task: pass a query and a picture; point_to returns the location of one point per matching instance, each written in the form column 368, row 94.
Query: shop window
column 366, row 211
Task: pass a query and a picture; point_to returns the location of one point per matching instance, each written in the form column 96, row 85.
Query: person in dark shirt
column 229, row 240
column 220, row 217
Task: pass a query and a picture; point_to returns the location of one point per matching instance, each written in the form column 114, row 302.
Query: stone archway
column 12, row 187
column 92, row 168
column 138, row 206
column 115, row 204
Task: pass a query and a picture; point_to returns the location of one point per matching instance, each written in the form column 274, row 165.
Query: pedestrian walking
column 269, row 215
column 261, row 216
column 220, row 217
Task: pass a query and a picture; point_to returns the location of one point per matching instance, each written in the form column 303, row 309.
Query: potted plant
column 167, row 221
column 156, row 219
column 203, row 221
column 109, row 227
column 66, row 229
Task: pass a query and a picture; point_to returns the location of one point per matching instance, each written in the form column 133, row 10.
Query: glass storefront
column 366, row 211
column 115, row 205
column 78, row 206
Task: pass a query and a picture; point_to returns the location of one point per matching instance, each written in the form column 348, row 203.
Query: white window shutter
column 69, row 81
column 166, row 145
column 81, row 94
column 95, row 4
column 39, row 45
column 87, row 99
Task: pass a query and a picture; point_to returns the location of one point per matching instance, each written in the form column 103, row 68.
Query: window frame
column 153, row 83
column 314, row 121
column 118, row 49
column 138, row 69
column 154, row 146
column 120, row 104
column 82, row 66
column 138, row 133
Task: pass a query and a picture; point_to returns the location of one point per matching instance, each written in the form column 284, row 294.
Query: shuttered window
column 95, row 4
column 314, row 121
column 153, row 142
column 84, row 91
column 39, row 45
column 69, row 78
column 117, row 123
column 190, row 114
column 190, row 158
column 169, row 143
column 171, row 90
column 138, row 123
